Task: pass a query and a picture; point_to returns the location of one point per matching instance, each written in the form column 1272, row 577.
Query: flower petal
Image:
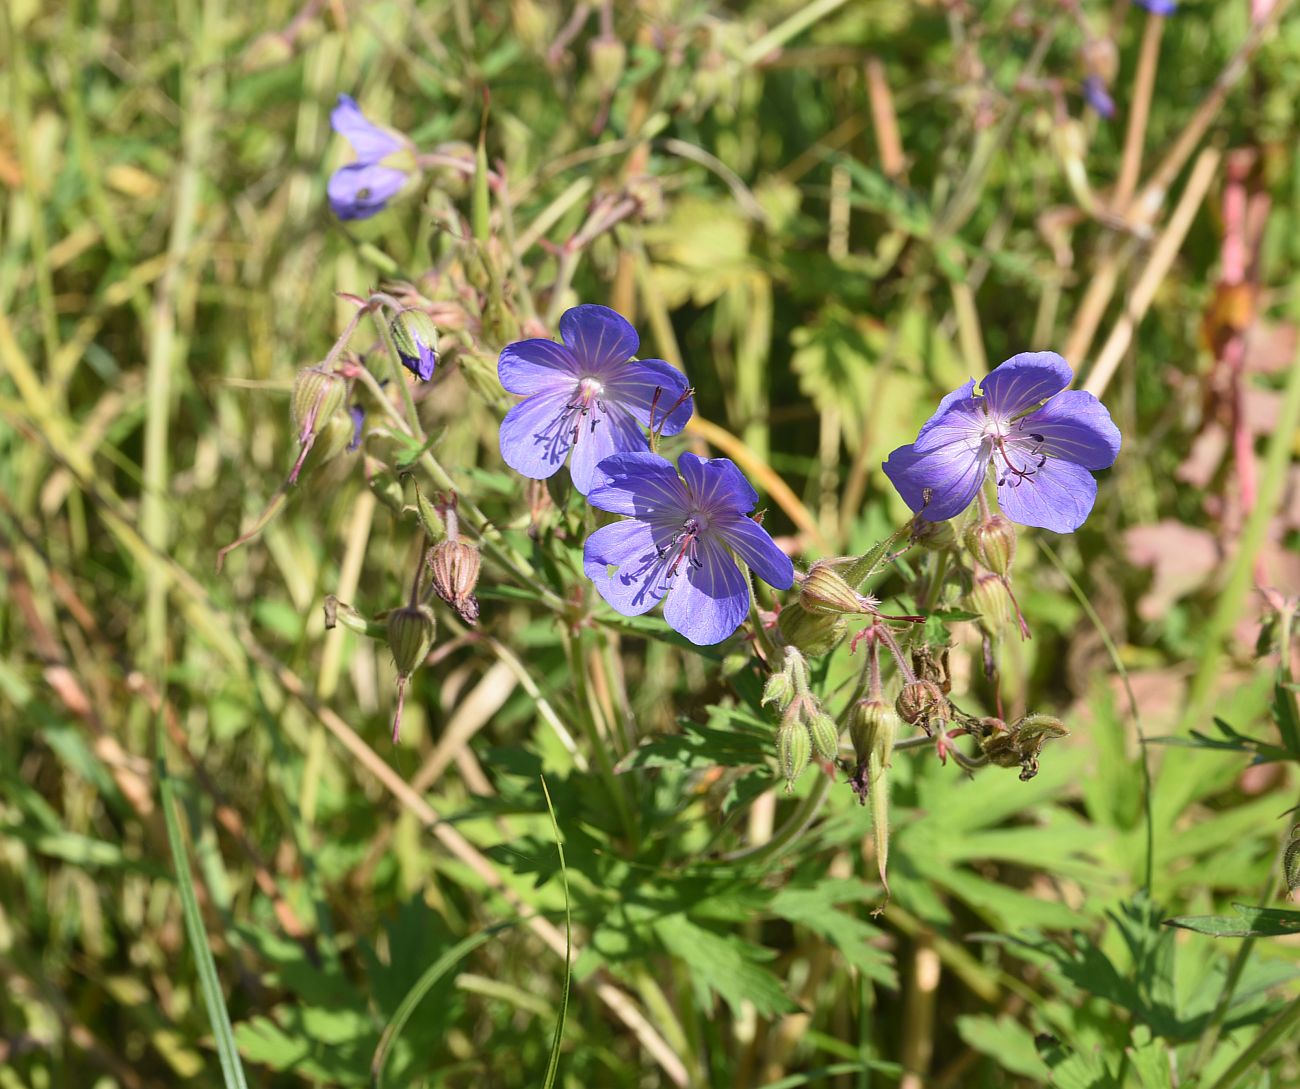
column 360, row 190
column 602, row 435
column 717, row 485
column 535, row 366
column 951, row 473
column 963, row 397
column 370, row 142
column 631, row 547
column 642, row 484
column 1058, row 496
column 601, row 338
column 634, row 388
column 712, row 601
column 753, row 544
column 534, row 439
column 1076, row 427
column 1023, row 381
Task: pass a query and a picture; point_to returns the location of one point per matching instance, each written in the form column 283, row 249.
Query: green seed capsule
column 814, row 634
column 825, row 735
column 410, row 635
column 793, row 751
column 823, row 591
column 873, row 728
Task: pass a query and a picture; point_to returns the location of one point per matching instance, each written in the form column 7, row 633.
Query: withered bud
column 990, row 598
column 873, row 728
column 825, row 734
column 919, row 701
column 1029, row 735
column 793, row 751
column 992, row 541
column 823, row 591
column 454, row 567
column 814, row 634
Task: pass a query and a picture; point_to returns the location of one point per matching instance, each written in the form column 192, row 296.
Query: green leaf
column 1249, row 922
column 724, row 964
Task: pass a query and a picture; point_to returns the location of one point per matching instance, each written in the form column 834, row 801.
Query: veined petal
column 641, row 484
column 712, row 601
column 602, row 339
column 535, row 366
column 952, row 474
column 1024, row 381
column 960, row 428
column 1075, row 426
column 535, row 438
column 634, row 387
column 360, row 190
column 601, row 435
column 962, row 396
column 370, row 142
column 624, row 563
column 717, row 485
column 1058, row 496
column 753, row 544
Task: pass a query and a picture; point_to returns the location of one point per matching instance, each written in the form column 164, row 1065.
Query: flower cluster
column 363, row 188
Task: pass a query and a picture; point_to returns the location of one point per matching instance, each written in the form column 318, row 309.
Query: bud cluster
column 806, row 729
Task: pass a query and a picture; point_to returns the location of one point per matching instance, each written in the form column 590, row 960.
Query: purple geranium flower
column 1158, row 7
column 675, row 543
column 1096, row 95
column 1042, row 454
column 587, row 394
column 363, row 188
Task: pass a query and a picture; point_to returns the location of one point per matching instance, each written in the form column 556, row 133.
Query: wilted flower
column 363, row 188
column 1098, row 97
column 587, row 394
column 675, row 543
column 1043, row 454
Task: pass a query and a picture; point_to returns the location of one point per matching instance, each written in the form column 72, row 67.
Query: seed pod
column 793, row 751
column 455, row 566
column 1029, row 735
column 779, row 689
column 873, row 728
column 823, row 591
column 919, row 701
column 416, row 339
column 318, row 395
column 607, row 56
column 814, row 634
column 990, row 598
column 993, row 543
column 825, row 734
column 410, row 635
column 879, row 797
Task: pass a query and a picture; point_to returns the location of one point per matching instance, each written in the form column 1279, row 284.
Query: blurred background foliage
column 830, row 214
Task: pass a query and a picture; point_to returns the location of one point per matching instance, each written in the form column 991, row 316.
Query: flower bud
column 793, row 751
column 825, row 735
column 993, row 543
column 814, row 634
column 410, row 635
column 933, row 536
column 779, row 689
column 607, row 56
column 823, row 591
column 989, row 597
column 919, row 701
column 873, row 728
column 455, row 565
column 318, row 395
column 416, row 339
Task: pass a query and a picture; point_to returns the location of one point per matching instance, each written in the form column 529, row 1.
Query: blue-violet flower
column 674, row 545
column 1096, row 95
column 1043, row 454
column 363, row 188
column 587, row 395
column 1158, row 7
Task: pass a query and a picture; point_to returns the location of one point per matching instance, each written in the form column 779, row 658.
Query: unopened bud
column 383, row 482
column 455, row 565
column 990, row 598
column 814, row 634
column 416, row 339
column 793, row 751
column 825, row 735
column 607, row 56
column 934, row 536
column 410, row 636
column 993, row 543
column 318, row 395
column 823, row 591
column 428, row 514
column 779, row 689
column 919, row 701
column 873, row 728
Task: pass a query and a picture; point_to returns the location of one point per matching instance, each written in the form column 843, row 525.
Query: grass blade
column 554, row 1064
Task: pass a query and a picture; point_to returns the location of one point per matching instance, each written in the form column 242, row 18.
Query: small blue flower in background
column 1096, row 95
column 587, row 395
column 362, row 189
column 358, row 416
column 1158, row 7
column 1043, row 455
column 674, row 544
